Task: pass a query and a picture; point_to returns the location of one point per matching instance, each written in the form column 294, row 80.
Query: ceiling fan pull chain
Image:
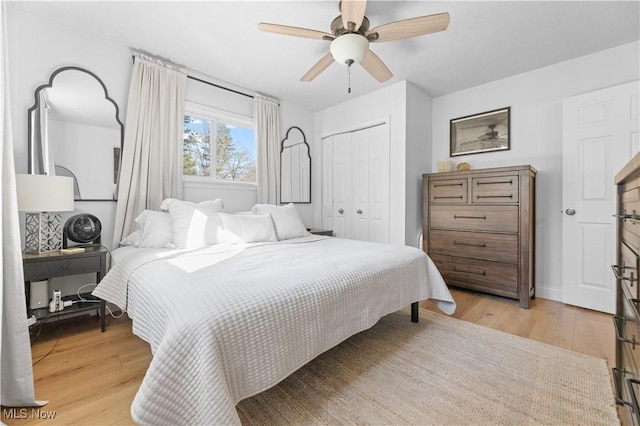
column 349, row 62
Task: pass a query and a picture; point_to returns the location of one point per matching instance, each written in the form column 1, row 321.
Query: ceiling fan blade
column 408, row 28
column 294, row 31
column 374, row 66
column 318, row 67
column 352, row 11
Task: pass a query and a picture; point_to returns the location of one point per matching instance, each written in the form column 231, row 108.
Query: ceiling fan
column 350, row 37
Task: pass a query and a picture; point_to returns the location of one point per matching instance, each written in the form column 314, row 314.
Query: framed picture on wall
column 484, row 132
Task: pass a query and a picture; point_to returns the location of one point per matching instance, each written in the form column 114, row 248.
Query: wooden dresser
column 478, row 227
column 626, row 319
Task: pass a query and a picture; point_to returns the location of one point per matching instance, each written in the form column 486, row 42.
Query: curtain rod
column 218, row 86
column 133, row 59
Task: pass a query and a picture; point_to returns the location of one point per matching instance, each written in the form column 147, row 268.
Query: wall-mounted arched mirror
column 295, row 168
column 74, row 130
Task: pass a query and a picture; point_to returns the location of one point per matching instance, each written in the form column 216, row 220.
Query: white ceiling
column 485, row 41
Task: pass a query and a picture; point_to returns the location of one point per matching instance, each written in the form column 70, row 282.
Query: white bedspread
column 229, row 321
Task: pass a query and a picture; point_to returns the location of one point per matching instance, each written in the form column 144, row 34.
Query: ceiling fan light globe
column 349, row 47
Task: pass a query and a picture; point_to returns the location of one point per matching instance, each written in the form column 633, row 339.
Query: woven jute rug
column 439, row 371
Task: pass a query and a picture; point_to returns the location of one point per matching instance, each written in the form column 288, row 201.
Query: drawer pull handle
column 632, row 218
column 634, row 399
column 617, row 377
column 619, row 275
column 498, row 182
column 456, row 269
column 455, row 216
column 449, row 197
column 494, row 196
column 619, row 336
column 461, row 243
column 436, row 185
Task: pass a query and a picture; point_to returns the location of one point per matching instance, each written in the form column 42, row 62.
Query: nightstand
column 42, row 266
column 316, row 231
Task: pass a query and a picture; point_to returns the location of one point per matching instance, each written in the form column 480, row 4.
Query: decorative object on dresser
column 479, row 229
column 39, row 195
column 484, row 132
column 626, row 374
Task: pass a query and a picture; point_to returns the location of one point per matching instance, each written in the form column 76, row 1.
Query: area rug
column 440, row 371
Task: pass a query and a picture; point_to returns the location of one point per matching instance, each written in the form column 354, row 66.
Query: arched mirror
column 74, row 131
column 295, row 168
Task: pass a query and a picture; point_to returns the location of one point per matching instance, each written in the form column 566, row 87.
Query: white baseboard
column 549, row 293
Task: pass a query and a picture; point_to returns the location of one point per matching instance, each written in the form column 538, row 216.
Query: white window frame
column 216, row 115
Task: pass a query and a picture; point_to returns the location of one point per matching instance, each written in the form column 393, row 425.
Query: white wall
column 536, row 135
column 418, row 158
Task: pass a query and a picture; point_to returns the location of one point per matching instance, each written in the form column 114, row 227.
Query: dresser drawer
column 58, row 268
column 480, row 245
column 630, row 200
column 448, row 191
column 630, row 231
column 475, row 218
column 628, row 270
column 496, row 189
column 495, row 277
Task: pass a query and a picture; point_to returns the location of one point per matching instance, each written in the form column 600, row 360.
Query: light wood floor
column 90, row 378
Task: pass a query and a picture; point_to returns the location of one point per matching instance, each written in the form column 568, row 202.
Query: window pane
column 235, row 153
column 196, row 151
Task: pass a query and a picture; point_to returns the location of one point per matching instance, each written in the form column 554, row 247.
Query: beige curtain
column 266, row 115
column 151, row 167
column 15, row 348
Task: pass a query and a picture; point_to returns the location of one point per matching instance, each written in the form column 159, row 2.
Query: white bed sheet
column 226, row 322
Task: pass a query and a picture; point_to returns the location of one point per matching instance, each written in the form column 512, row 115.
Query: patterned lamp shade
column 39, row 196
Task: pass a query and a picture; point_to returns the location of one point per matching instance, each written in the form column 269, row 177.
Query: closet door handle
column 341, row 211
column 359, row 211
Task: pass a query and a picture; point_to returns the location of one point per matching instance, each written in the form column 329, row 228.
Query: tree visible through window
column 233, row 151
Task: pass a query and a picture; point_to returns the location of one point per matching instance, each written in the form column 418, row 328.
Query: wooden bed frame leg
column 414, row 312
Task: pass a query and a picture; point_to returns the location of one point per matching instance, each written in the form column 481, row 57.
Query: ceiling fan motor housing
column 349, row 48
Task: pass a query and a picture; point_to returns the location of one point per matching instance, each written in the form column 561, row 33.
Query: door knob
column 570, row 212
column 340, row 211
column 359, row 211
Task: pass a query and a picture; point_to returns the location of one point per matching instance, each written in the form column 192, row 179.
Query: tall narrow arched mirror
column 295, row 168
column 74, row 131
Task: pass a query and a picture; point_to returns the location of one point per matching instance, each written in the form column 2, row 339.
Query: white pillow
column 155, row 229
column 285, row 218
column 194, row 225
column 133, row 239
column 250, row 228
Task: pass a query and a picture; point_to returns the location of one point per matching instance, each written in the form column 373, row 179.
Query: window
column 228, row 143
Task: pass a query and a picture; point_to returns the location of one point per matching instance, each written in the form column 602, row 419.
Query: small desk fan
column 82, row 228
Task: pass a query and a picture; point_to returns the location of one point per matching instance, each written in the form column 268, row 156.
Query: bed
column 229, row 320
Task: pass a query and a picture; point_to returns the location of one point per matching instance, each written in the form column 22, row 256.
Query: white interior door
column 359, row 209
column 378, row 213
column 600, row 134
column 341, row 185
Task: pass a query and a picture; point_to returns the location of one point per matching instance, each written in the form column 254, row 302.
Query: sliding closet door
column 356, row 184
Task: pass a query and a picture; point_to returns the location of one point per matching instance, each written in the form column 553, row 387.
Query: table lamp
column 39, row 196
